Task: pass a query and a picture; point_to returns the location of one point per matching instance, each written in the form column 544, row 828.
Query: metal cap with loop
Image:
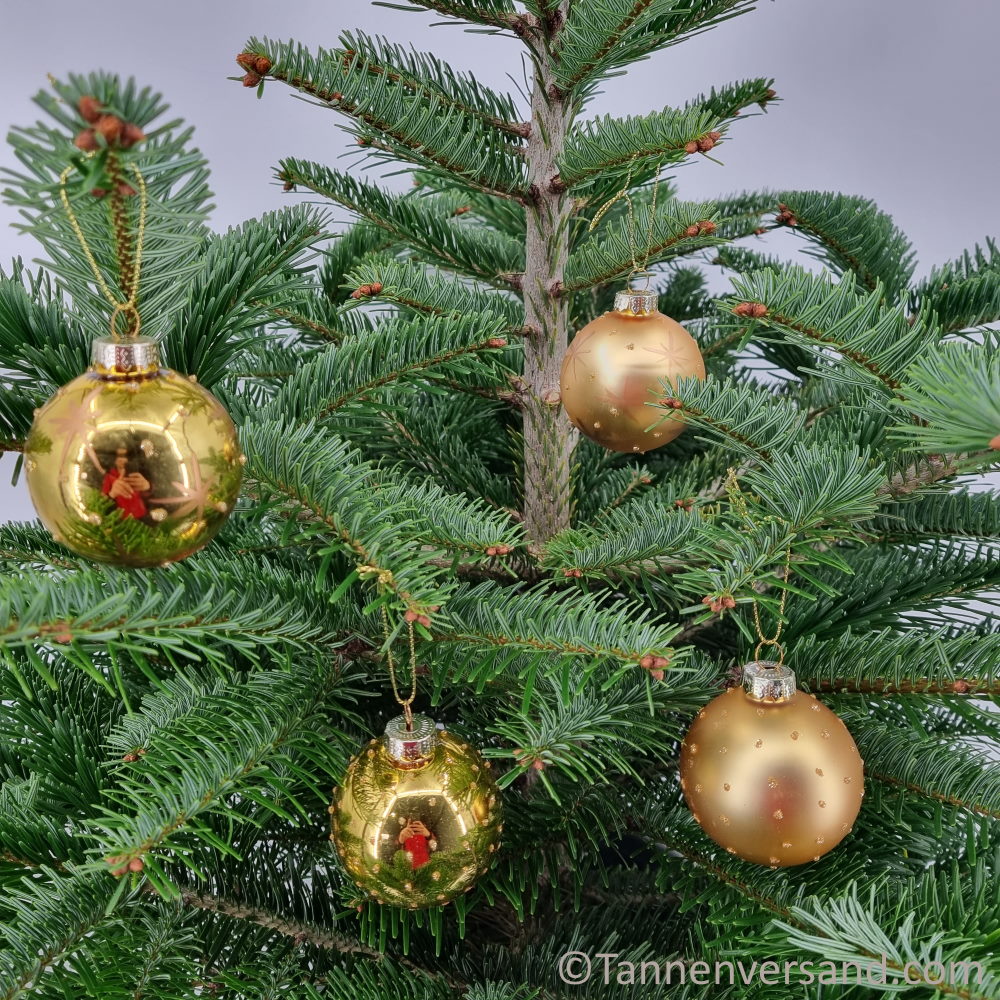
column 410, row 745
column 765, row 680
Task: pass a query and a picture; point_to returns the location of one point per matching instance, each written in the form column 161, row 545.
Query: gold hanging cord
column 383, row 578
column 738, row 502
column 129, row 276
column 639, row 270
column 775, row 640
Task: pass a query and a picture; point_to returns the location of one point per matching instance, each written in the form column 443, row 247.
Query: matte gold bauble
column 417, row 818
column 770, row 773
column 132, row 463
column 614, row 369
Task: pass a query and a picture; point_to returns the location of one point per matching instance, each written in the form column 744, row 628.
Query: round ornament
column 614, row 369
column 132, row 463
column 417, row 818
column 770, row 773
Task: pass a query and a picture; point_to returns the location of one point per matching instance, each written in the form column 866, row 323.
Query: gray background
column 893, row 99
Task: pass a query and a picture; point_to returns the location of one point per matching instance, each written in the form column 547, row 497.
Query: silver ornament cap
column 109, row 356
column 765, row 680
column 639, row 303
column 414, row 746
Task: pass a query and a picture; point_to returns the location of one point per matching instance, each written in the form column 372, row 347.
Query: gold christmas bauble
column 417, row 818
column 614, row 369
column 770, row 773
column 132, row 463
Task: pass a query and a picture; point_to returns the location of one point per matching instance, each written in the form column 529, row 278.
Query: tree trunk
column 549, row 437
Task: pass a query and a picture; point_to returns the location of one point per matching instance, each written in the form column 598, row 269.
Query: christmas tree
column 172, row 734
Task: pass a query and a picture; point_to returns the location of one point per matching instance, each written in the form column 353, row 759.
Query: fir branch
column 742, row 417
column 963, row 293
column 496, row 13
column 850, row 234
column 423, row 223
column 417, row 289
column 941, row 662
column 299, row 931
column 51, row 918
column 954, row 391
column 425, row 125
column 323, row 476
column 680, row 228
column 809, row 310
column 465, row 349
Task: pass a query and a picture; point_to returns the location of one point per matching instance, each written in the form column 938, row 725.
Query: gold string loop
column 738, row 502
column 130, row 307
column 384, row 579
column 775, row 640
column 639, row 269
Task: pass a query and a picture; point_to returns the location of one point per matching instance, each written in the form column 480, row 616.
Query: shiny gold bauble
column 132, row 463
column 417, row 819
column 770, row 773
column 614, row 370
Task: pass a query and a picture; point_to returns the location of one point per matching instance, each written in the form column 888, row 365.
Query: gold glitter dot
column 693, row 748
column 697, row 788
column 597, row 425
column 614, row 411
column 630, row 347
column 815, row 857
column 441, row 897
column 795, row 735
column 821, row 840
column 819, row 771
column 778, row 814
column 408, row 886
column 731, row 850
column 724, row 819
column 436, row 876
column 847, row 780
column 760, row 712
column 723, row 749
column 814, row 708
column 825, row 733
column 727, row 786
column 758, row 743
column 701, row 714
column 822, row 804
column 772, row 782
column 774, row 861
column 786, row 843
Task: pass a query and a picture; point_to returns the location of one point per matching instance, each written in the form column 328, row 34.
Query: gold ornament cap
column 109, row 356
column 766, row 680
column 638, row 303
column 410, row 746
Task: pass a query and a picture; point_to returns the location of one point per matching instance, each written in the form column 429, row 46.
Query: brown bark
column 549, row 438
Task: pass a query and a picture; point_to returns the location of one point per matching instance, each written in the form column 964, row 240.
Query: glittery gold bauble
column 132, row 463
column 770, row 773
column 614, row 369
column 417, row 818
